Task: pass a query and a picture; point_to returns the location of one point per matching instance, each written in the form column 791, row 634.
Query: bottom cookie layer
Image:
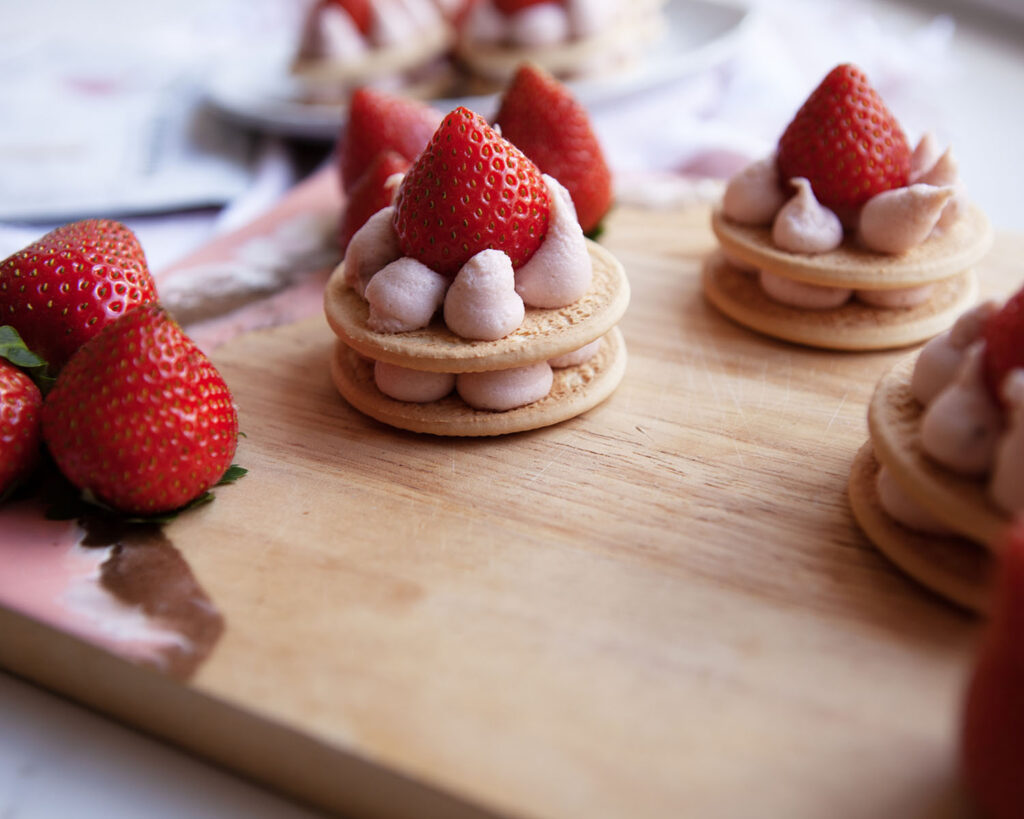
column 954, row 568
column 574, row 391
column 854, row 326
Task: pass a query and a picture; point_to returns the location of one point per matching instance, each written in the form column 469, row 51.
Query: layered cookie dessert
column 475, row 305
column 397, row 45
column 846, row 238
column 569, row 38
column 943, row 474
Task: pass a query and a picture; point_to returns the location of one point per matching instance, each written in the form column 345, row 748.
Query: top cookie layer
column 543, row 334
column 962, row 503
column 850, row 265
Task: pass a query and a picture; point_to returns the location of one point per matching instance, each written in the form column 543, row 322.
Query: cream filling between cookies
column 904, row 509
column 544, row 24
column 495, row 390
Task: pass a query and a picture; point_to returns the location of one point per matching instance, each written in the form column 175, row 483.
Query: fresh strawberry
column 379, row 122
column 1004, row 343
column 139, row 417
column 992, row 753
column 540, row 117
column 63, row 289
column 361, row 12
column 510, row 7
column 846, row 142
column 370, row 194
column 468, row 191
column 20, row 405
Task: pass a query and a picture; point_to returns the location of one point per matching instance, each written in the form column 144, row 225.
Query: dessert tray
column 660, row 607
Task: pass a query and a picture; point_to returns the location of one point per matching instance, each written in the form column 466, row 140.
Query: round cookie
column 944, row 255
column 853, row 326
column 543, row 334
column 961, row 503
column 574, row 391
column 952, row 567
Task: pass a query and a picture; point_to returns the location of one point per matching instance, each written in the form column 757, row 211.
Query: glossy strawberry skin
column 378, row 122
column 63, row 289
column 1003, row 334
column 510, row 7
column 468, row 191
column 20, row 411
column 140, row 417
column 540, row 116
column 369, row 195
column 846, row 142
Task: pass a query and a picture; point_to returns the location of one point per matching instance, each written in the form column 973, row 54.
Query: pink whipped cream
column 963, row 428
column 576, row 357
column 404, row 294
column 802, row 225
column 502, row 390
column 892, row 222
column 544, row 24
column 330, row 34
column 899, row 505
column 898, row 297
column 415, row 386
column 801, row 294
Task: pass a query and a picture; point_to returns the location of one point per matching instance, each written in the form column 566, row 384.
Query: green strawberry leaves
column 14, row 349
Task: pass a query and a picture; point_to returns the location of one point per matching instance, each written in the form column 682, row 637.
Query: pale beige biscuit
column 961, row 503
column 543, row 334
column 853, row 326
column 944, row 255
column 574, row 391
column 952, row 567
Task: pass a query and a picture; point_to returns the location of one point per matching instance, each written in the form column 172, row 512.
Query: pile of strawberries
column 452, row 169
column 137, row 417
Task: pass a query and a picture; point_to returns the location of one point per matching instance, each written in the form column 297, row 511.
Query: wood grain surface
column 661, row 608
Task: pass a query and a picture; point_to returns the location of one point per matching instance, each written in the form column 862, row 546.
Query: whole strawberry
column 540, row 117
column 63, row 289
column 370, row 194
column 468, row 191
column 20, row 405
column 1003, row 334
column 846, row 142
column 378, row 122
column 139, row 417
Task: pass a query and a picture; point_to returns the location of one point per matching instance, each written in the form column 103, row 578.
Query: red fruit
column 369, row 194
column 470, row 190
column 20, row 405
column 510, row 7
column 140, row 417
column 379, row 122
column 1004, row 343
column 63, row 289
column 992, row 751
column 846, row 142
column 540, row 117
column 361, row 12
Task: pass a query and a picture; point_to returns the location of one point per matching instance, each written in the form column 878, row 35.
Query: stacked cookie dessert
column 941, row 478
column 475, row 305
column 845, row 238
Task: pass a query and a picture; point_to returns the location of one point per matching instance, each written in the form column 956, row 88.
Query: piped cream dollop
column 961, row 426
column 897, row 297
column 904, row 509
column 404, row 296
column 803, row 295
column 415, row 386
column 560, row 270
column 482, row 302
column 502, row 390
column 371, row 248
column 544, row 24
column 330, row 34
column 940, row 358
column 753, row 196
column 576, row 357
column 803, row 225
column 926, row 154
column 894, row 221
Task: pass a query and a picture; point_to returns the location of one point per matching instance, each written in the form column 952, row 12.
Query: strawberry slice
column 540, row 116
column 468, row 191
column 63, row 289
column 139, row 417
column 1004, row 343
column 379, row 122
column 20, row 411
column 370, row 194
column 846, row 142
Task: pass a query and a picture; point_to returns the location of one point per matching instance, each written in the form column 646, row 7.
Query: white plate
column 701, row 33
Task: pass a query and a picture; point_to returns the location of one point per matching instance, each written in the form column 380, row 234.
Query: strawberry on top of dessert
column 858, row 167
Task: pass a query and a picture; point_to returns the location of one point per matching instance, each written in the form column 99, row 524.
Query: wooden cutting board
column 661, row 608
